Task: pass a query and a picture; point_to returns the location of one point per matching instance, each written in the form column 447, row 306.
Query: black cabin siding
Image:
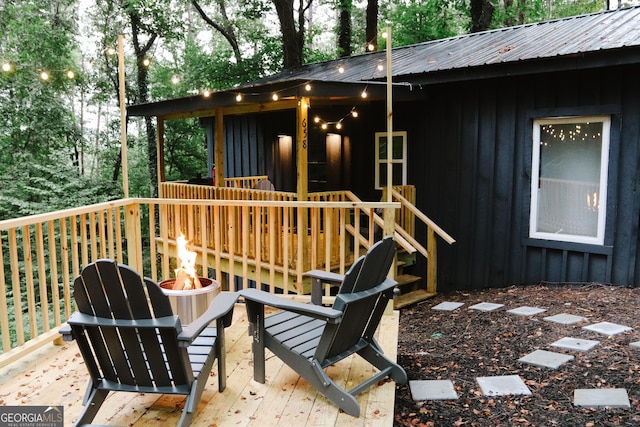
column 470, row 158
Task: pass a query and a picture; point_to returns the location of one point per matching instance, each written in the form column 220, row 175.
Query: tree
column 40, row 137
column 344, row 27
column 481, row 15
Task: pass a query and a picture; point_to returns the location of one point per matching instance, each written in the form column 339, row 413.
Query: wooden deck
column 56, row 375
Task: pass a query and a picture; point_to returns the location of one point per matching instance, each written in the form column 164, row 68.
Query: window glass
column 570, row 158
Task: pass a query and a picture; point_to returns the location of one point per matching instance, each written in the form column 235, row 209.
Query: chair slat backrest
column 360, row 315
column 128, row 355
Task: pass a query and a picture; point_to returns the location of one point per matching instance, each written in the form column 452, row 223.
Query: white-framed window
column 398, row 159
column 569, row 179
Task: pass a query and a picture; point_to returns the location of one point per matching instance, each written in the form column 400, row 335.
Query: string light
column 274, row 96
column 338, row 124
column 44, row 75
column 70, row 74
column 206, row 93
column 380, row 67
column 146, row 62
column 370, row 47
column 364, row 94
column 341, row 69
column 307, row 87
column 239, row 97
column 6, row 67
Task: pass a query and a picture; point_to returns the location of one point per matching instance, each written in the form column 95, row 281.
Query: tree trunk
column 291, row 40
column 344, row 29
column 481, row 15
column 372, row 25
column 143, row 97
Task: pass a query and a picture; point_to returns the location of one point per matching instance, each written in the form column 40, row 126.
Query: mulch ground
column 464, row 344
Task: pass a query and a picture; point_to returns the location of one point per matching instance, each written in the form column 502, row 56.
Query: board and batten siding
column 470, row 147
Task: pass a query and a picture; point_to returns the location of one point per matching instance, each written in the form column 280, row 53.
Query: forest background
column 59, row 117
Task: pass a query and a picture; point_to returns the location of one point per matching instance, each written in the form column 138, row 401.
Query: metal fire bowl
column 190, row 304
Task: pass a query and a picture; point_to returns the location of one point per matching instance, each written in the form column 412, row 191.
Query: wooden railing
column 269, row 243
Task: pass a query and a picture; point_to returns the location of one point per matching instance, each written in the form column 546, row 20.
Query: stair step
column 412, row 297
column 406, row 279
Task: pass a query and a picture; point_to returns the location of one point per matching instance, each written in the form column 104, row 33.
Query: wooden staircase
column 411, row 288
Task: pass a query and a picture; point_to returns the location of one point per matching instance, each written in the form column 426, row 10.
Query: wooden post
column 160, row 154
column 389, row 119
column 432, row 261
column 133, row 234
column 218, row 158
column 123, row 118
column 302, row 151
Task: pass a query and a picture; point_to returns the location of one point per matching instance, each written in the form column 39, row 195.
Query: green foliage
column 416, row 21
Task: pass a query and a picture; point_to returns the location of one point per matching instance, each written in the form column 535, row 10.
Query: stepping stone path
column 422, row 390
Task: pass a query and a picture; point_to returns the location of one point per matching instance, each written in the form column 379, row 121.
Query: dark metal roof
column 604, row 31
column 575, row 42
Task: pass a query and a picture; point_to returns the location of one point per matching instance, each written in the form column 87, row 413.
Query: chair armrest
column 316, row 311
column 65, row 331
column 325, row 276
column 221, row 308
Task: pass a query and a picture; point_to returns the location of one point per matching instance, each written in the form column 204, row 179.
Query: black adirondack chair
column 131, row 340
column 309, row 337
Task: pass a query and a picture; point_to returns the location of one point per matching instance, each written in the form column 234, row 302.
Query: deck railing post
column 133, row 234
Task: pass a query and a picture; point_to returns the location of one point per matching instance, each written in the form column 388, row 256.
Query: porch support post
column 302, row 142
column 160, row 154
column 218, row 158
column 302, row 152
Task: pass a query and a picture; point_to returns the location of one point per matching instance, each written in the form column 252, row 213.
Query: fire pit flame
column 186, row 277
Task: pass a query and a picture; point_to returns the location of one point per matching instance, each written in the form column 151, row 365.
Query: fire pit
column 189, row 295
column 189, row 304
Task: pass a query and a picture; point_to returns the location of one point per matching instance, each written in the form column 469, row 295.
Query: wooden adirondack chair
column 309, row 337
column 131, row 340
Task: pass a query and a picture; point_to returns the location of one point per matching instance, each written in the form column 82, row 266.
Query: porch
column 55, row 375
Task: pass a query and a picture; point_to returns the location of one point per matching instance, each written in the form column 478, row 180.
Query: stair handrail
column 401, row 238
column 428, row 221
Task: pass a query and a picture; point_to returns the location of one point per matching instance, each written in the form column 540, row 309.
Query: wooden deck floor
column 56, row 375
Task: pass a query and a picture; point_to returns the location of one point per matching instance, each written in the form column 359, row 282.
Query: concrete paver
column 565, row 319
column 601, row 398
column 447, row 306
column 527, row 311
column 546, row 359
column 575, row 344
column 608, row 328
column 432, row 390
column 486, row 306
column 503, row 385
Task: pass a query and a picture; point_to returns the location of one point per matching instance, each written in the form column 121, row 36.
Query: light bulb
column 364, row 94
column 380, row 67
column 239, row 97
column 44, row 75
column 206, row 93
column 341, row 69
column 6, row 67
column 175, row 80
column 146, row 62
column 70, row 74
column 111, row 51
column 324, row 126
column 354, row 114
column 370, row 47
column 274, row 96
column 339, row 125
column 307, row 87
column 316, row 119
